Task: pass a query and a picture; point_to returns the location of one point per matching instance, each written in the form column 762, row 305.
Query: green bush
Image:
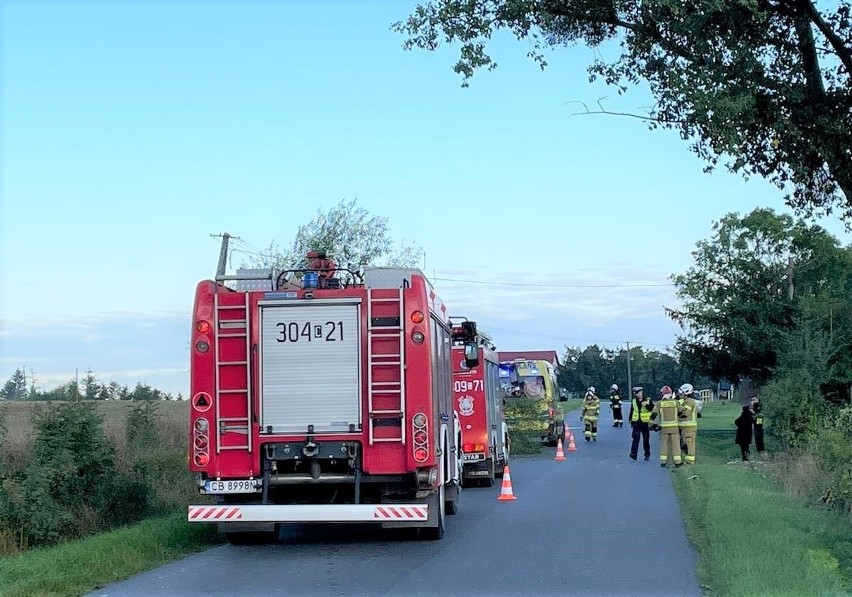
column 526, row 425
column 795, row 408
column 831, row 450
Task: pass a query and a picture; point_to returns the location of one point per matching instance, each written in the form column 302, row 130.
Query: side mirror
column 471, row 354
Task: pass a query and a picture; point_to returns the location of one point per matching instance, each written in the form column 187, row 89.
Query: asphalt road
column 597, row 524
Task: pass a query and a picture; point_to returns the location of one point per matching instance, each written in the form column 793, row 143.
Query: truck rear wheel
column 489, row 480
column 437, row 532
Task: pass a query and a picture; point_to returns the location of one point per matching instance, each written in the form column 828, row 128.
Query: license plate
column 232, row 486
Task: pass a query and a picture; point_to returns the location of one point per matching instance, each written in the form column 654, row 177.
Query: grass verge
column 752, row 538
column 78, row 567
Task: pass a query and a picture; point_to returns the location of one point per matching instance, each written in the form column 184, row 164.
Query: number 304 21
column 308, row 331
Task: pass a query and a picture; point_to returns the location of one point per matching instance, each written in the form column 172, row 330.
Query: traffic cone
column 572, row 447
column 560, row 455
column 506, row 494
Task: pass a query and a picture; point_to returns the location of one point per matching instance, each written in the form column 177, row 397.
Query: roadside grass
column 77, row 567
column 752, row 538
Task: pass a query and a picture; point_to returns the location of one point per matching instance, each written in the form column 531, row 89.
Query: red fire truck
column 323, row 395
column 479, row 403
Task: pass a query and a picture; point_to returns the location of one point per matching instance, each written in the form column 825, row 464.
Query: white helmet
column 614, row 387
column 591, row 390
column 686, row 389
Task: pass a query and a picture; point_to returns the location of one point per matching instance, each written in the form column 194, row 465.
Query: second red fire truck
column 479, row 402
column 321, row 395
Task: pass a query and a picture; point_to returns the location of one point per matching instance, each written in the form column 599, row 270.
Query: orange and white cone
column 560, row 455
column 506, row 494
column 572, row 447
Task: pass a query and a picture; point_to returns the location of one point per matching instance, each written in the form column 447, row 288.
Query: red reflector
column 202, row 459
column 202, row 327
column 417, row 317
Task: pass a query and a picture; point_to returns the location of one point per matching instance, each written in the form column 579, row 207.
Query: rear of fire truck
column 322, row 396
column 479, row 402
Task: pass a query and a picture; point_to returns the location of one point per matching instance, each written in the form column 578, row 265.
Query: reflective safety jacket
column 758, row 414
column 642, row 415
column 667, row 411
column 592, row 408
column 688, row 412
column 615, row 401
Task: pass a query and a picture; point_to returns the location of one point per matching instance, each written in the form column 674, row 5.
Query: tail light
column 471, row 448
column 202, row 327
column 420, row 425
column 201, row 442
column 417, row 317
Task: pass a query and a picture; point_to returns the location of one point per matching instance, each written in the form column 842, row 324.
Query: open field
column 173, row 424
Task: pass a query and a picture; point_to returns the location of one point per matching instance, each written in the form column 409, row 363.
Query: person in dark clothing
column 744, row 425
column 640, row 421
column 757, row 409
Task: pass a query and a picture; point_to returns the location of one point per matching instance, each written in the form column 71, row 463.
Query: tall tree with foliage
column 765, row 85
column 595, row 366
column 15, row 387
column 746, row 290
column 350, row 235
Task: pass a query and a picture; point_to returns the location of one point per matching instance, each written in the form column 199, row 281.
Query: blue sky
column 132, row 131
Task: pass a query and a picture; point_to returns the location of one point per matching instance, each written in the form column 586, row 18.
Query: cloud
column 597, row 296
column 12, row 360
column 74, row 325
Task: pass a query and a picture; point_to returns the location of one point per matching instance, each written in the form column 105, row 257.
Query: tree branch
column 843, row 53
column 609, row 113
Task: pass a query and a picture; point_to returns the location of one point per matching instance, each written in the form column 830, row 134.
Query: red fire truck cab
column 479, row 403
column 320, row 395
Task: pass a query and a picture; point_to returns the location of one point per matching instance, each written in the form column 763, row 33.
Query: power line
column 563, row 338
column 530, row 285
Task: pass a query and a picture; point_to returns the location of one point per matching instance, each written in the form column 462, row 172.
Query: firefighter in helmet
column 591, row 412
column 665, row 415
column 615, row 406
column 688, row 420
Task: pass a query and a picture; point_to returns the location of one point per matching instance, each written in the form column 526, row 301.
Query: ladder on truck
column 231, row 326
column 389, row 330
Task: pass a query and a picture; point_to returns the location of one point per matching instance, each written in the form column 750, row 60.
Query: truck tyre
column 435, row 533
column 489, row 480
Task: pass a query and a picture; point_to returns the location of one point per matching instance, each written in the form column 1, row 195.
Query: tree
column 594, row 366
column 746, row 289
column 90, row 383
column 16, row 387
column 348, row 234
column 765, row 85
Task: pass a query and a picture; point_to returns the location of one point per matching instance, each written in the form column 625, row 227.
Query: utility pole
column 629, row 377
column 223, row 252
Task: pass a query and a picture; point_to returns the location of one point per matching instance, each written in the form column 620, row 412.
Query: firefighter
column 615, row 406
column 667, row 411
column 688, row 421
column 640, row 419
column 757, row 409
column 591, row 412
